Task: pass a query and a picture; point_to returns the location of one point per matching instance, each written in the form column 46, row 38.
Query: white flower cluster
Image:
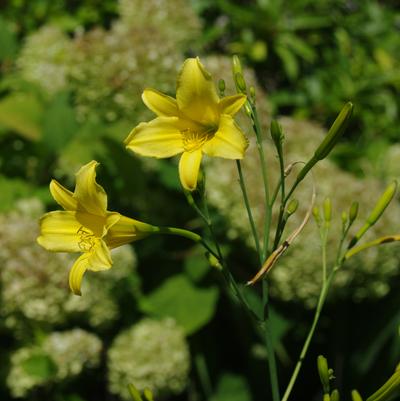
column 72, row 351
column 297, row 275
column 107, row 70
column 151, row 354
column 60, row 356
column 45, row 59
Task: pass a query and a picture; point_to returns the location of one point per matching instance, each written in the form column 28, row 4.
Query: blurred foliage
column 313, row 56
column 68, row 14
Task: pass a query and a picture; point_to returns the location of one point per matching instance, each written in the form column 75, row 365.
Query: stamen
column 86, row 239
column 193, row 140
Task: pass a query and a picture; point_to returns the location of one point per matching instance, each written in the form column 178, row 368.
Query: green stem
column 282, row 170
column 267, row 225
column 275, row 194
column 186, row 234
column 268, row 213
column 322, row 297
column 218, row 255
column 273, row 372
column 324, row 238
column 204, row 376
column 248, row 209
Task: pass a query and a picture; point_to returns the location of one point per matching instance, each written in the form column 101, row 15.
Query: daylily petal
column 91, row 196
column 63, row 196
column 160, row 137
column 60, row 232
column 161, row 104
column 111, row 219
column 127, row 230
column 228, row 142
column 100, row 257
column 76, row 273
column 232, row 104
column 189, row 166
column 92, row 222
column 196, row 95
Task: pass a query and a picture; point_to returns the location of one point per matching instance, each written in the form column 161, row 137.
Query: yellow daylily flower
column 85, row 225
column 197, row 122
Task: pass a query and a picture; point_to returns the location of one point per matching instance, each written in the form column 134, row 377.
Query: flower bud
column 382, row 203
column 240, row 83
column 327, row 211
column 292, row 207
column 214, row 262
column 252, row 92
column 329, row 142
column 355, row 396
column 236, row 65
column 323, row 371
column 335, row 396
column 148, row 394
column 380, row 207
column 221, row 87
column 326, row 397
column 335, row 132
column 345, row 218
column 389, row 390
column 276, row 133
column 316, row 215
column 134, row 393
column 353, row 212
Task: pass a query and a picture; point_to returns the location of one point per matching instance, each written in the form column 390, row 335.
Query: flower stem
column 273, row 372
column 321, row 301
column 248, row 209
column 186, row 234
column 268, row 212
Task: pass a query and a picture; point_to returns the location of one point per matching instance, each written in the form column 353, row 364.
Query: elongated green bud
column 353, row 212
column 389, row 390
column 316, row 215
column 214, row 262
column 335, row 132
column 355, row 396
column 382, row 203
column 323, row 372
column 221, row 87
column 276, row 134
column 252, row 92
column 326, row 397
column 236, row 65
column 327, row 211
column 240, row 83
column 380, row 207
column 345, row 218
column 148, row 394
column 335, row 396
column 134, row 393
column 292, row 206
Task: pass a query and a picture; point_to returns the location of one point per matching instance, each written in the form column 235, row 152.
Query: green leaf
column 59, row 124
column 40, row 366
column 232, row 387
column 280, row 326
column 134, row 393
column 196, row 265
column 12, row 189
column 192, row 307
column 22, row 113
column 289, row 61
